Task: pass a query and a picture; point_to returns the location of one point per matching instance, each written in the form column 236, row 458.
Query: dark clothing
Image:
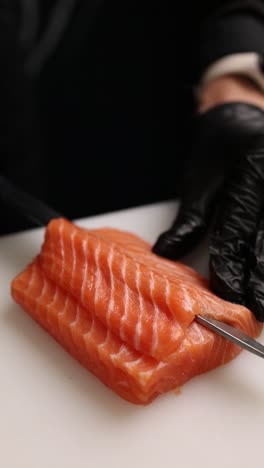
column 98, row 123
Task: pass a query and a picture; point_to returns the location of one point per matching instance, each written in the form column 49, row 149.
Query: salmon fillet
column 124, row 313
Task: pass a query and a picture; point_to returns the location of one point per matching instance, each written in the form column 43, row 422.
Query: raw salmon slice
column 124, row 313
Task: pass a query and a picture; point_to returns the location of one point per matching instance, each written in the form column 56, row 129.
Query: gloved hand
column 224, row 188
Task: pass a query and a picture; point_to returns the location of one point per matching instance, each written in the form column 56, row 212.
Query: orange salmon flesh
column 124, row 313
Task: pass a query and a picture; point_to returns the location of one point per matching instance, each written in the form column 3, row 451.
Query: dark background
column 104, row 123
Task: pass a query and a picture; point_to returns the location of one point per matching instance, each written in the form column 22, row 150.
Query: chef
column 107, row 105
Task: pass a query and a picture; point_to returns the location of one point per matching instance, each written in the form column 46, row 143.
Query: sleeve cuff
column 229, row 36
column 248, row 64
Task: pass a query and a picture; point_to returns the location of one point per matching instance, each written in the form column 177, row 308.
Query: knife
column 232, row 334
column 36, row 211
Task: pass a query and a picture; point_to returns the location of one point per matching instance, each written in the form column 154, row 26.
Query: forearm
column 229, row 88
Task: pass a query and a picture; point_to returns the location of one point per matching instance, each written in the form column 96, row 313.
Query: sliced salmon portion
column 124, row 313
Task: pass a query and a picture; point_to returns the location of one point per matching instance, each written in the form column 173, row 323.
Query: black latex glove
column 225, row 183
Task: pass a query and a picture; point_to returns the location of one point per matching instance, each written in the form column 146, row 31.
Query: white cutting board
column 53, row 413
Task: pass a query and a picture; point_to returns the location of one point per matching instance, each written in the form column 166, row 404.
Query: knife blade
column 233, row 334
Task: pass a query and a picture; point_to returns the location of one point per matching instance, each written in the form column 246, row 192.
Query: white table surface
column 53, row 413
